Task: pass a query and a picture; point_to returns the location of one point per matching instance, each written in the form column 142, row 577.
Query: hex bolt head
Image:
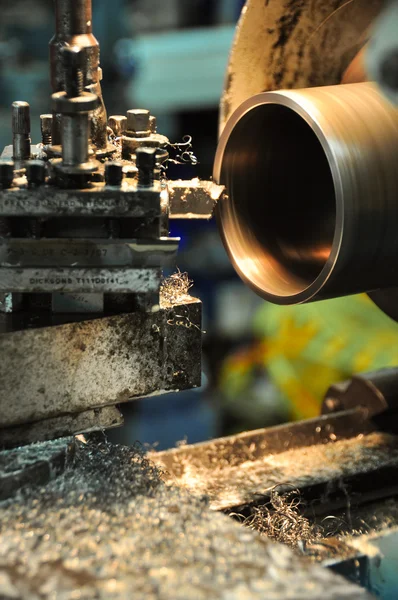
column 46, row 126
column 138, row 120
column 6, row 174
column 35, row 172
column 146, row 160
column 113, row 173
column 118, row 124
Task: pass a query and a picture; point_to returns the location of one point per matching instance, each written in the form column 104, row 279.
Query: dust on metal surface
column 79, row 366
column 98, row 419
column 34, row 465
column 240, row 474
column 109, row 527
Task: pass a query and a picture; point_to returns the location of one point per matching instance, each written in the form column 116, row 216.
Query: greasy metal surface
column 261, row 442
column 188, row 199
column 243, row 469
column 47, row 201
column 34, row 465
column 193, row 199
column 51, row 429
column 376, row 391
column 73, row 28
column 347, row 534
column 23, row 252
column 311, row 185
column 121, row 280
column 54, row 371
column 110, row 528
column 283, row 44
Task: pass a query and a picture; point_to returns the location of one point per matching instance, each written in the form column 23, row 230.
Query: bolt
column 113, row 173
column 46, row 126
column 72, row 62
column 138, row 120
column 35, row 172
column 146, row 164
column 6, row 174
column 75, row 106
column 21, row 130
column 389, row 70
column 118, row 124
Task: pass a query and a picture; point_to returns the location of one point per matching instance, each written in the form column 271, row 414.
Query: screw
column 21, row 130
column 118, row 124
column 46, row 126
column 6, row 174
column 146, row 164
column 138, row 120
column 35, row 172
column 72, row 62
column 113, row 173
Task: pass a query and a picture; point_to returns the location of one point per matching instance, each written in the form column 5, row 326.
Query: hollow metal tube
column 311, row 210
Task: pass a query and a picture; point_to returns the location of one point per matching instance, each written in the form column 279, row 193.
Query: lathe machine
column 305, row 191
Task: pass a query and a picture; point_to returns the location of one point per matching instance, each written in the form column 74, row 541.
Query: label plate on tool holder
column 98, row 201
column 87, row 253
column 139, row 281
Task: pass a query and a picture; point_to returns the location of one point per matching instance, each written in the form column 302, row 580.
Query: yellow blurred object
column 303, row 349
column 311, row 346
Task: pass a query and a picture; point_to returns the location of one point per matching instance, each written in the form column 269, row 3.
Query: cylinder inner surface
column 280, row 219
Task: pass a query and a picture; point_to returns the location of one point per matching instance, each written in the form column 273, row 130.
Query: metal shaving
column 183, row 152
column 110, row 528
column 175, row 289
column 280, row 520
column 236, row 479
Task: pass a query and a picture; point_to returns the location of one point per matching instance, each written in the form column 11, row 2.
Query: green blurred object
column 302, row 350
column 311, row 346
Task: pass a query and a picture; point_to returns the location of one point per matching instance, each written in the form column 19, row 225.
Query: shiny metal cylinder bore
column 311, row 209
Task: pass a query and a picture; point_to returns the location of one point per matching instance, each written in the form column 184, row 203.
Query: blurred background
column 262, row 365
